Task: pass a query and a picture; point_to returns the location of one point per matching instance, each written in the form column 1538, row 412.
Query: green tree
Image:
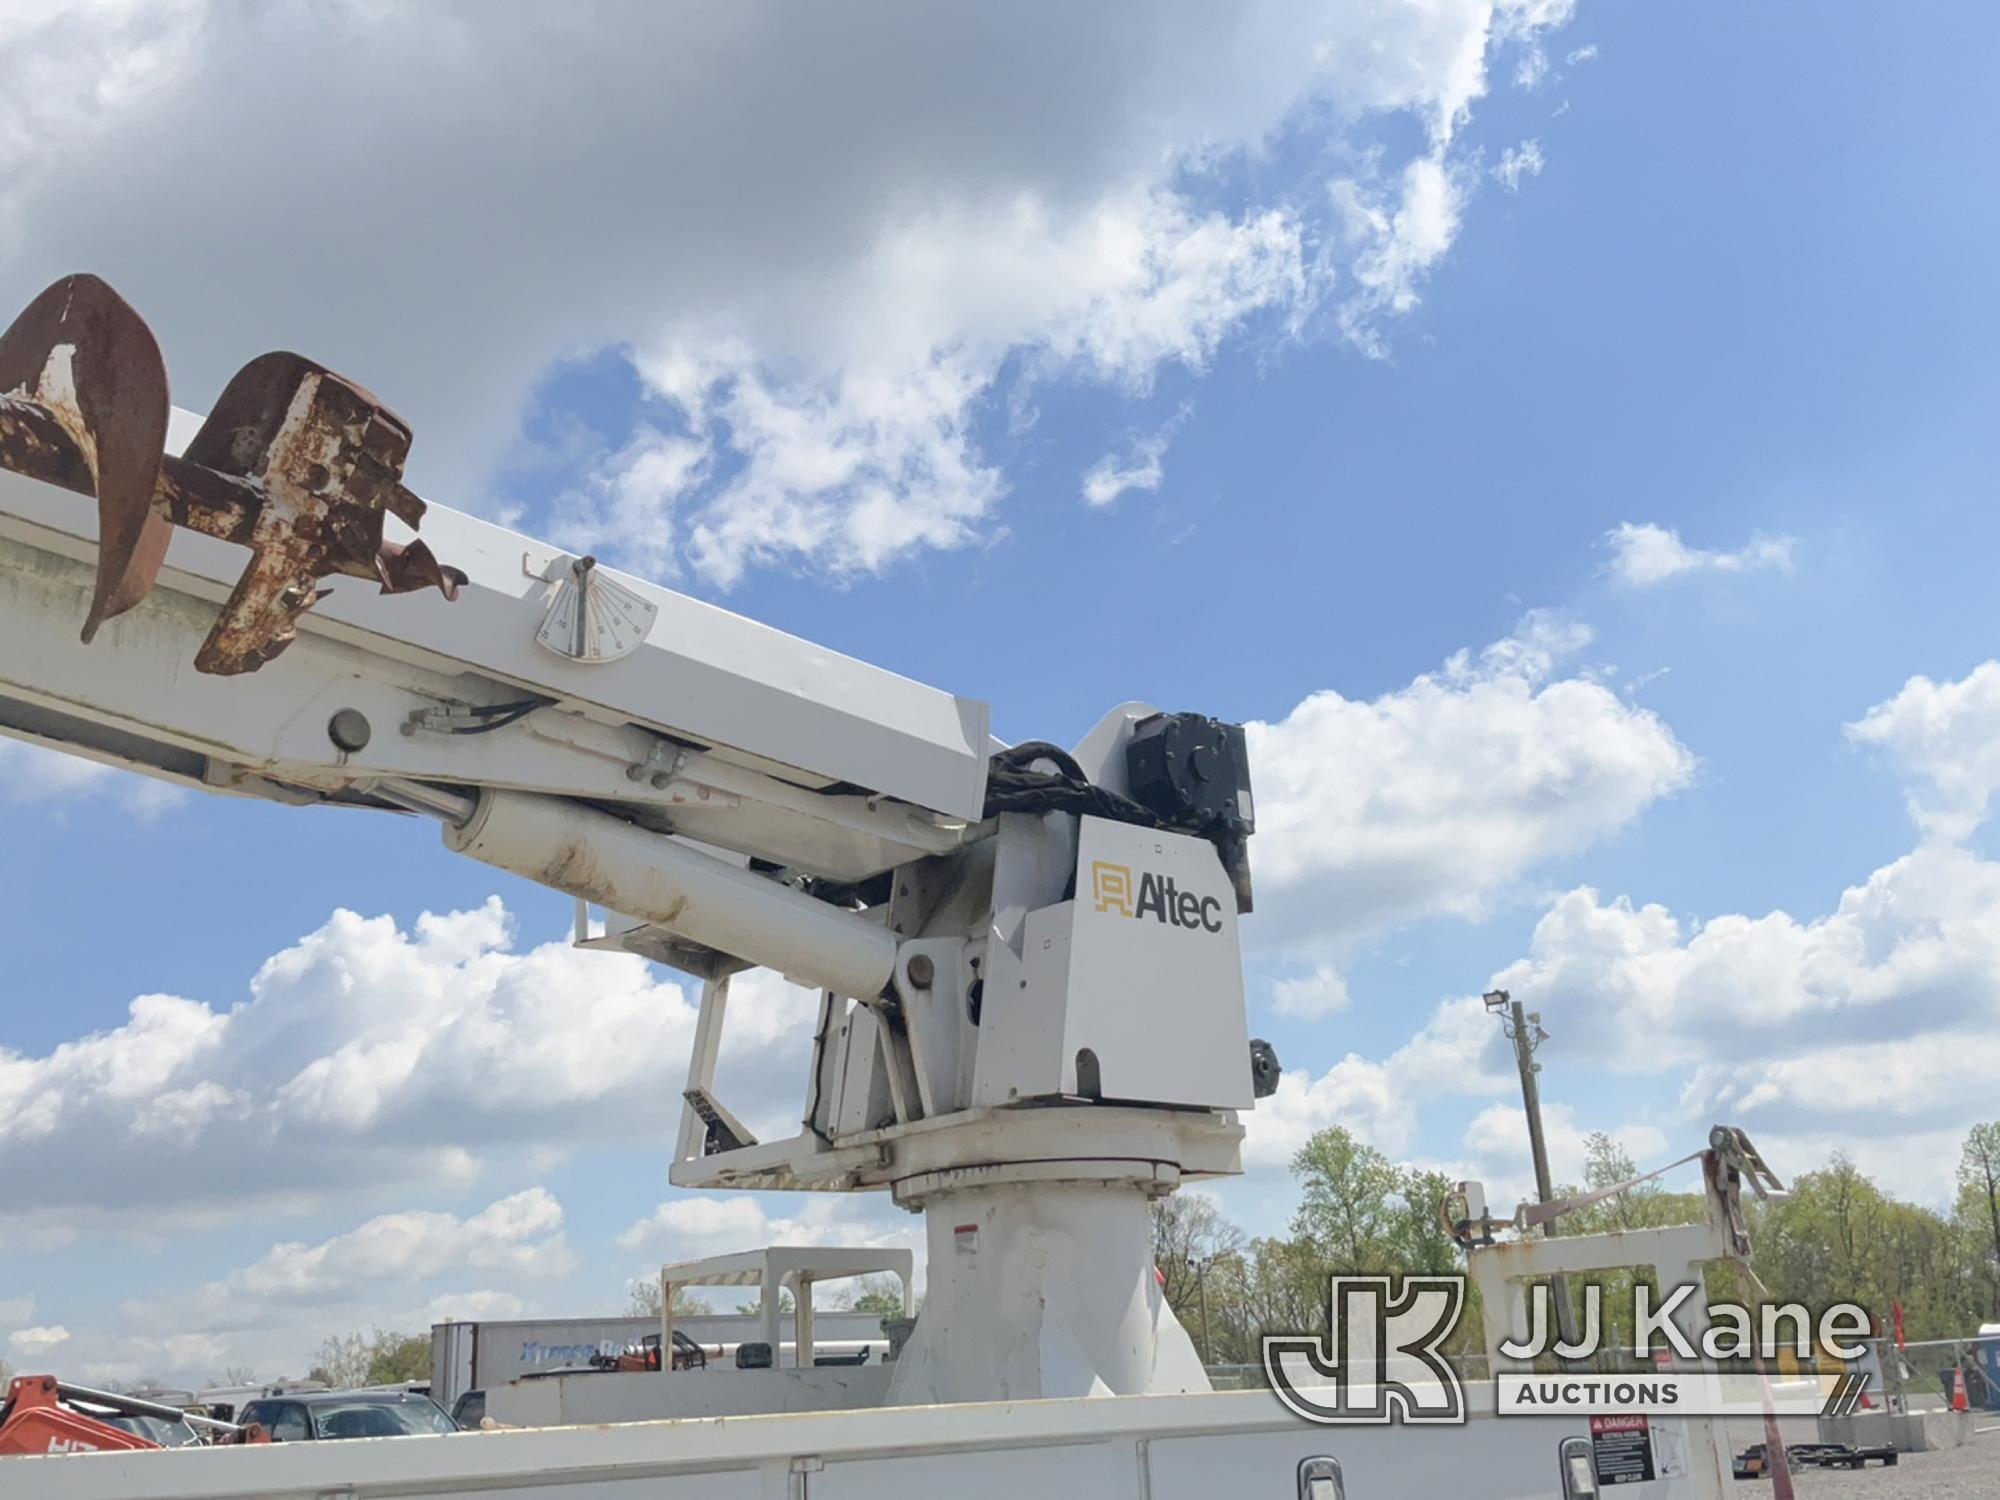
column 880, row 1295
column 1979, row 1205
column 399, row 1357
column 1418, row 1240
column 1839, row 1237
column 1645, row 1205
column 1351, row 1201
column 1190, row 1232
column 342, row 1360
column 642, row 1299
column 377, row 1358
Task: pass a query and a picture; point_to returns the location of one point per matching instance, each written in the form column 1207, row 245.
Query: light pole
column 1524, row 1030
column 1201, row 1269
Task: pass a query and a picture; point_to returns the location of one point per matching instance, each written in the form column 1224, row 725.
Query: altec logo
column 1158, row 897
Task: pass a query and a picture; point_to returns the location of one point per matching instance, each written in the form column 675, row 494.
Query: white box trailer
column 480, row 1356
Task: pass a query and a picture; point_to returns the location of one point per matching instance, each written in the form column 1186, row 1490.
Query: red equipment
column 34, row 1420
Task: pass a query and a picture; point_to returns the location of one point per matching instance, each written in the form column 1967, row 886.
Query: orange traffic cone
column 1958, row 1390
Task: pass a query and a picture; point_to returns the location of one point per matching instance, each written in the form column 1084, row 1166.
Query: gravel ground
column 1968, row 1473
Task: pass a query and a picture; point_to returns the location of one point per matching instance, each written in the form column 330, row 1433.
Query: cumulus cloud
column 1947, row 735
column 33, row 1343
column 1872, row 1023
column 1643, row 556
column 1430, row 800
column 33, row 776
column 1459, row 1052
column 385, row 1057
column 1913, row 948
column 520, row 1235
column 1432, row 797
column 826, row 240
column 1320, row 993
column 1496, row 1145
column 271, row 1312
column 1140, row 467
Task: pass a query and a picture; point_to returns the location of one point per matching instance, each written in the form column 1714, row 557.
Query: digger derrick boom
column 700, row 722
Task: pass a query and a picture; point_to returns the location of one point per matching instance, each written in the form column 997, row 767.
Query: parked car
column 153, row 1429
column 317, row 1415
column 469, row 1410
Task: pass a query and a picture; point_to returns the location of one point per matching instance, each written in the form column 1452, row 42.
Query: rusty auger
column 296, row 463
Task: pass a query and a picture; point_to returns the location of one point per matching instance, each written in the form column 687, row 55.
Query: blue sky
column 1395, row 342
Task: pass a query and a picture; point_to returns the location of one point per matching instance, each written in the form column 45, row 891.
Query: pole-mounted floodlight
column 1523, row 1028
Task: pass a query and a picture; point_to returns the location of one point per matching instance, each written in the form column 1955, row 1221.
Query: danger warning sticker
column 1621, row 1449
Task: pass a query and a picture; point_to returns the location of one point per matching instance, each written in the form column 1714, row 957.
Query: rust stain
column 296, row 463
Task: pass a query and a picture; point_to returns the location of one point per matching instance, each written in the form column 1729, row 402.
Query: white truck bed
column 1206, row 1447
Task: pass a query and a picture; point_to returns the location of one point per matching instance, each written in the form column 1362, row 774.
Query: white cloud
column 1320, row 993
column 519, row 1236
column 1139, row 467
column 696, row 1225
column 271, row 1312
column 33, row 1343
column 521, row 1232
column 1431, row 798
column 1517, row 162
column 847, row 217
column 475, row 1307
column 1645, row 555
column 1868, row 1030
column 1913, row 949
column 1581, row 55
column 1395, row 234
column 1459, row 1052
column 1947, row 734
column 1871, row 1024
column 384, row 1057
column 1917, row 1166
column 1497, row 1143
column 850, row 469
column 38, row 777
column 15, row 1311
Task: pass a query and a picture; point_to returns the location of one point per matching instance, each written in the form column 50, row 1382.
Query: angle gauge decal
column 592, row 617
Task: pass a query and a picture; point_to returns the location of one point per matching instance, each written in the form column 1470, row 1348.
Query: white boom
column 1032, row 1015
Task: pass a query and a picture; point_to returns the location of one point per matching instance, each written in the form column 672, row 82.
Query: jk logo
column 1381, row 1361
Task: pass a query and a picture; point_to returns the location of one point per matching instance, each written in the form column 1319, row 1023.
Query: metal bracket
column 798, row 1483
column 662, row 764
